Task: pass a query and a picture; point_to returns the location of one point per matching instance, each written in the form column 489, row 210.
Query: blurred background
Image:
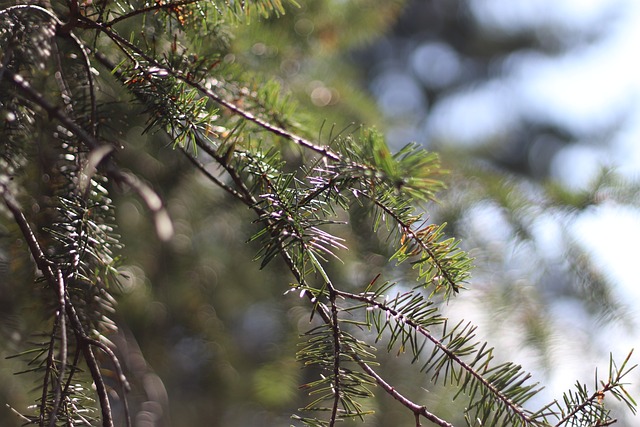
column 534, row 107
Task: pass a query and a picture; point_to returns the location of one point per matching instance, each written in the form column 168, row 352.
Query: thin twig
column 125, row 387
column 442, row 347
column 48, row 377
column 60, row 317
column 276, row 130
column 579, row 408
column 409, row 232
column 158, row 6
column 246, row 197
column 417, row 409
column 101, row 389
column 210, row 176
column 335, row 327
column 164, row 226
column 47, row 269
column 114, row 359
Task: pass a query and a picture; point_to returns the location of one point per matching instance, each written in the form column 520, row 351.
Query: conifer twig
column 163, row 223
column 337, row 350
column 48, row 268
column 276, row 130
column 159, row 5
column 442, row 347
column 330, row 319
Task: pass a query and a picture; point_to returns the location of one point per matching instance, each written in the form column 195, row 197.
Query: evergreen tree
column 99, row 98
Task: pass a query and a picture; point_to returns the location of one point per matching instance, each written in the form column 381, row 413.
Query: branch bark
column 49, row 269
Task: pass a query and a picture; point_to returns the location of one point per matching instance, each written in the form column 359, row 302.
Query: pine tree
column 69, row 69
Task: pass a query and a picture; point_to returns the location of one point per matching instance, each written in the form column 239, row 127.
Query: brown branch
column 163, row 223
column 276, row 130
column 210, row 176
column 60, row 317
column 414, row 407
column 86, row 343
column 48, row 270
column 330, row 319
column 442, row 347
column 43, row 264
column 158, row 6
column 335, row 327
column 114, row 359
column 53, row 275
column 74, row 12
column 48, row 376
column 246, row 197
column 101, row 389
column 125, row 387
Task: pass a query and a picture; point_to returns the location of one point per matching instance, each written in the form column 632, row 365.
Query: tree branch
column 442, row 347
column 160, row 5
column 245, row 196
column 335, row 326
column 48, row 270
column 163, row 223
column 61, row 320
column 276, row 130
column 415, row 408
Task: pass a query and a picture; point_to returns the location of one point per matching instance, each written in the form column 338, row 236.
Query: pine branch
column 293, row 207
column 456, row 262
column 52, row 272
column 168, row 6
column 590, row 407
column 280, row 206
column 335, row 326
column 329, row 317
column 418, row 410
column 233, row 108
column 453, row 351
column 151, row 199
